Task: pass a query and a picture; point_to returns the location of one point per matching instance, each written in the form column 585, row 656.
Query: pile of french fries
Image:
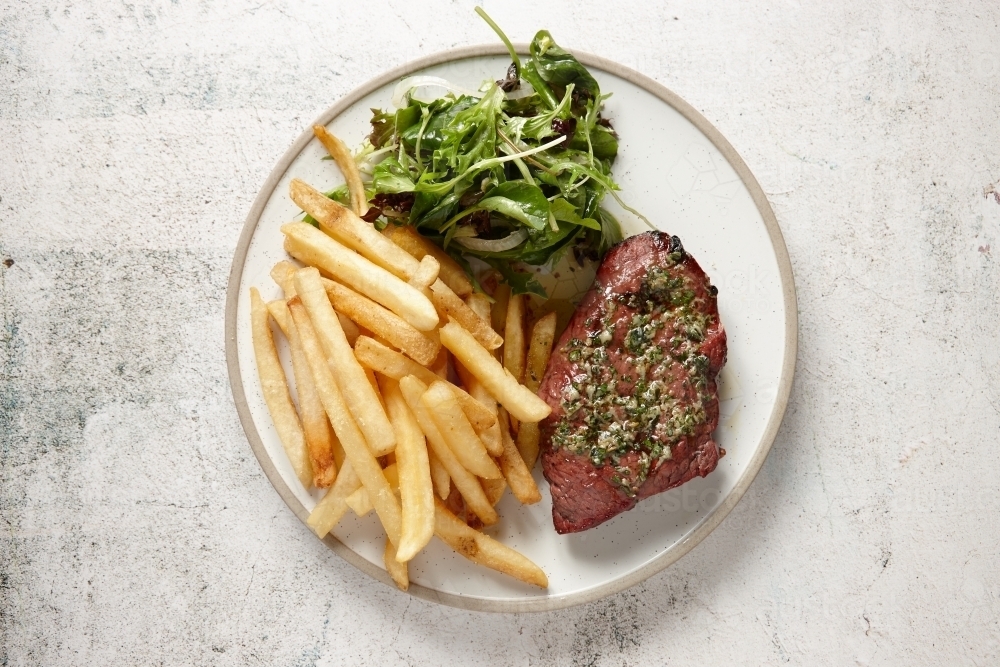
column 378, row 325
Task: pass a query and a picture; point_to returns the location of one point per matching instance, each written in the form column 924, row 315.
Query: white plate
column 677, row 169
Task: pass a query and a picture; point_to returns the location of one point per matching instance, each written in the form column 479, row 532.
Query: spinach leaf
column 559, row 67
column 563, row 211
column 520, row 201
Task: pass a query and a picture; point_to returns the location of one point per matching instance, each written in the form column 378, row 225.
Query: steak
column 632, row 384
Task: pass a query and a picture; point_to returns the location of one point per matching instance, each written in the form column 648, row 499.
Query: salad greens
column 513, row 173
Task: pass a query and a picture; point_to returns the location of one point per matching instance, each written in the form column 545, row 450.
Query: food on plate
column 513, row 174
column 417, row 347
column 483, row 549
column 519, row 401
column 275, row 391
column 542, row 337
column 361, row 397
column 632, row 384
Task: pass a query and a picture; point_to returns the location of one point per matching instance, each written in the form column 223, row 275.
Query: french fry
column 353, row 232
column 520, row 402
column 454, row 426
column 464, row 481
column 274, row 388
column 398, row 570
column 513, row 337
column 494, row 488
column 319, row 434
column 426, row 273
column 480, row 305
column 542, row 337
column 413, row 243
column 348, row 167
column 501, row 297
column 484, row 550
column 416, row 492
column 358, row 454
column 491, row 435
column 517, row 474
column 283, row 273
column 439, row 475
column 513, row 342
column 383, row 322
column 362, row 399
column 333, row 506
column 279, row 312
column 391, row 363
column 448, row 304
column 313, row 247
column 361, row 503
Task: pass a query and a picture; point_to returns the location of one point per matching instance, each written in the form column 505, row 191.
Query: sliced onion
column 508, row 242
column 422, row 80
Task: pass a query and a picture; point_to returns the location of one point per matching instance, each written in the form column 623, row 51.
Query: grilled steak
column 632, row 384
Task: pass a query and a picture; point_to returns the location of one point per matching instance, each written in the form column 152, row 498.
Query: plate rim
column 673, row 553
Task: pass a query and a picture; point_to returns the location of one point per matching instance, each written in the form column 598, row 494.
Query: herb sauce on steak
column 632, row 384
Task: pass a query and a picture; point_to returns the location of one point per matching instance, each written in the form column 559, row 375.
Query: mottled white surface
column 137, row 527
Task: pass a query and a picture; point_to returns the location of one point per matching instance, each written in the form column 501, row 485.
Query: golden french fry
column 448, row 304
column 481, row 306
column 353, row 232
column 416, row 491
column 494, row 488
column 333, row 506
column 491, row 435
column 517, row 474
column 361, row 503
column 362, row 399
column 313, row 247
column 457, row 431
column 542, row 337
column 382, row 322
column 484, row 550
column 514, row 346
column 413, row 243
column 513, row 337
column 274, row 388
column 319, row 434
column 529, row 437
column 381, row 359
column 426, row 273
column 520, row 402
column 466, row 483
column 283, row 273
column 398, row 570
column 501, row 297
column 439, row 475
column 279, row 312
column 358, row 454
column 348, row 167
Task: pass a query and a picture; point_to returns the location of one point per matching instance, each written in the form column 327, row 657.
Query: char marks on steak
column 632, row 384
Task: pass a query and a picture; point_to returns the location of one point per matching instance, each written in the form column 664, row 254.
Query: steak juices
column 632, row 384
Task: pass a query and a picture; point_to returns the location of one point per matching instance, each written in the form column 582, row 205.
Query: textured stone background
column 137, row 527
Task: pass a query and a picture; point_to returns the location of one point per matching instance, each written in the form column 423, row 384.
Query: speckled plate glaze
column 676, row 168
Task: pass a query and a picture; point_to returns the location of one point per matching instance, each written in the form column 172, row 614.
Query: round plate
column 678, row 170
